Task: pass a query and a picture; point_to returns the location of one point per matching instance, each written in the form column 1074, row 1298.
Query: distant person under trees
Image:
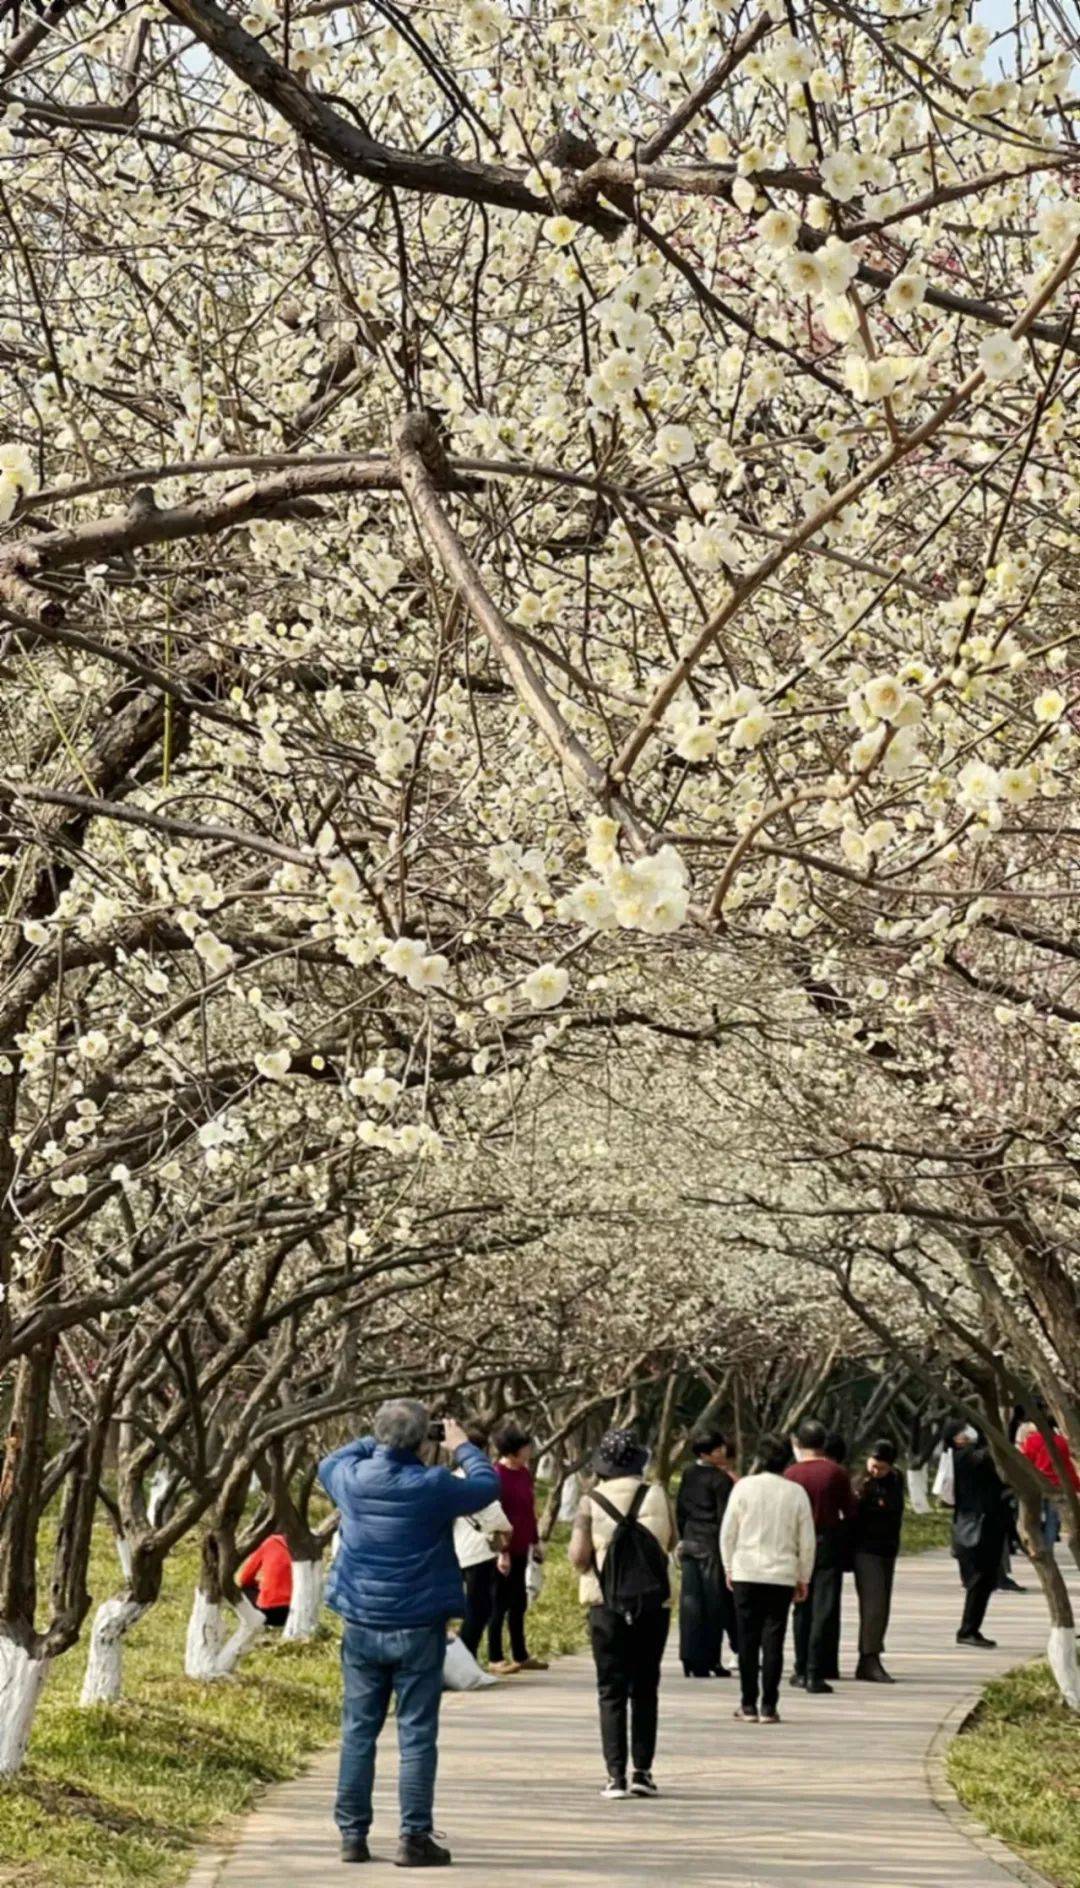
column 481, row 1542
column 266, row 1579
column 878, row 1526
column 980, row 1526
column 833, row 1503
column 705, row 1607
column 768, row 1545
column 517, row 1495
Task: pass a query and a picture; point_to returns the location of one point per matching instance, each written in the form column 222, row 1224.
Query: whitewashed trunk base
column 1061, row 1652
column 21, row 1680
column 306, row 1603
column 104, row 1680
column 569, row 1498
column 917, row 1490
column 208, row 1654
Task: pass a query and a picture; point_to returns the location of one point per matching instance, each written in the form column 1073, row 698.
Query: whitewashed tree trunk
column 159, row 1489
column 21, row 1680
column 123, row 1554
column 568, row 1500
column 306, row 1603
column 104, row 1680
column 1061, row 1653
column 208, row 1654
column 205, row 1637
column 917, row 1490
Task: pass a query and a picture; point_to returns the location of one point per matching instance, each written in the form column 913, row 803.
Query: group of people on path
column 422, row 1544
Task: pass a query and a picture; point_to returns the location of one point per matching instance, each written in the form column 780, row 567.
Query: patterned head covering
column 620, row 1453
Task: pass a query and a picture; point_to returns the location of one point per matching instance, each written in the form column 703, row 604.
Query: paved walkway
column 836, row 1795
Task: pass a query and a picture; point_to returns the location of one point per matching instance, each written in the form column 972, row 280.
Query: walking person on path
column 621, row 1539
column 980, row 1526
column 699, row 1512
column 481, row 1543
column 878, row 1526
column 768, row 1545
column 396, row 1583
column 518, row 1498
column 833, row 1502
column 1052, row 1466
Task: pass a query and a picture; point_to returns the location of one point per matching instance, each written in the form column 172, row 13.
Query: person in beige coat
column 627, row 1590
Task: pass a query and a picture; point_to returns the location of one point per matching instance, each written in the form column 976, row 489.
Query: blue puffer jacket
column 396, row 1565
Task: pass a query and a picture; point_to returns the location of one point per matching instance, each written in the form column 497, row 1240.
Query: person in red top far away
column 1032, row 1444
column 266, row 1579
column 518, row 1501
column 833, row 1502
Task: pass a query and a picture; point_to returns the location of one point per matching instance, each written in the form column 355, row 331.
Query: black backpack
column 634, row 1578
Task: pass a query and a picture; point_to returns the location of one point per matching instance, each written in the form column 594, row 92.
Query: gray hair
column 401, row 1423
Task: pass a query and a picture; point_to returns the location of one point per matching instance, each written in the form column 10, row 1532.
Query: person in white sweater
column 767, row 1544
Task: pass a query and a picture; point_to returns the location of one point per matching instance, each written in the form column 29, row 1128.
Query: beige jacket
column 593, row 1530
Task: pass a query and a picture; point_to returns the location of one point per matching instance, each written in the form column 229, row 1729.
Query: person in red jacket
column 833, row 1502
column 518, row 1498
column 266, row 1579
column 1032, row 1445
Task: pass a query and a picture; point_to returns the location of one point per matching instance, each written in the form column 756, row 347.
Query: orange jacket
column 269, row 1569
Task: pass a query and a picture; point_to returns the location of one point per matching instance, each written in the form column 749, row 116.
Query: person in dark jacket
column 980, row 1526
column 396, row 1582
column 699, row 1513
column 878, row 1524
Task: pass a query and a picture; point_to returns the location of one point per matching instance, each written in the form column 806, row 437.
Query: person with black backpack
column 623, row 1535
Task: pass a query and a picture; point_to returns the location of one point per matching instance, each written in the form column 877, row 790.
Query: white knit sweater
column 768, row 1532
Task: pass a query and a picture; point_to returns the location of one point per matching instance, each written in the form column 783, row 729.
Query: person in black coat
column 980, row 1526
column 705, row 1603
column 878, row 1525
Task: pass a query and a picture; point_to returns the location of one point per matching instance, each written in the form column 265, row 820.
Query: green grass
column 1017, row 1767
column 923, row 1531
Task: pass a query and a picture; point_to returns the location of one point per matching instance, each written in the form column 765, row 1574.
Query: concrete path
column 838, row 1794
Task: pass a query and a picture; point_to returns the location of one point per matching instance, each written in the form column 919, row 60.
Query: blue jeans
column 378, row 1662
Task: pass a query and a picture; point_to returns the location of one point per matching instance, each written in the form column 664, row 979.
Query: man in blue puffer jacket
column 396, row 1582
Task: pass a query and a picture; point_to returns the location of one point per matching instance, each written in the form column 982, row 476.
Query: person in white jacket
column 767, row 1544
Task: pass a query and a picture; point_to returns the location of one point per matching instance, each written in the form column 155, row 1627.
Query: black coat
column 980, row 1502
column 699, row 1509
column 880, row 1517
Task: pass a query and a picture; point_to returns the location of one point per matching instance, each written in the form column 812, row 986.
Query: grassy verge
column 923, row 1531
column 1017, row 1767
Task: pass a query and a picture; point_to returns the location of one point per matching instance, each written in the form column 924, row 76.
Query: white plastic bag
column 534, row 1581
column 945, row 1479
column 460, row 1670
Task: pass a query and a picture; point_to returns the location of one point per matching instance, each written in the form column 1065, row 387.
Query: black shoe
column 421, row 1852
column 723, row 1671
column 1009, row 1585
column 798, row 1678
column 978, row 1639
column 615, row 1790
column 641, row 1784
column 356, row 1850
column 818, row 1685
column 872, row 1671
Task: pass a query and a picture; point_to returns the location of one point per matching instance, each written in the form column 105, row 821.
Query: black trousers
column 701, row 1613
column 816, row 1628
column 628, row 1655
column 479, row 1602
column 762, row 1614
column 979, row 1570
column 511, row 1601
column 874, row 1584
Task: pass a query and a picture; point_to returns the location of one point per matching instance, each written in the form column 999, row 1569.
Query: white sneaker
column 615, row 1789
column 641, row 1784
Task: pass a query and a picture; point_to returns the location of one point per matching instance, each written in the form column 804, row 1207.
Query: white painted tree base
column 570, row 1498
column 208, row 1654
column 104, row 1680
column 1061, row 1653
column 306, row 1604
column 917, row 1492
column 21, row 1680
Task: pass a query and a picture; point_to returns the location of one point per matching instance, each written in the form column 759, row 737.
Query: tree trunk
column 306, row 1603
column 104, row 1680
column 21, row 1679
column 917, row 1490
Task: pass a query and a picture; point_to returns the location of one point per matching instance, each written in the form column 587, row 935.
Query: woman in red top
column 266, row 1579
column 511, row 1598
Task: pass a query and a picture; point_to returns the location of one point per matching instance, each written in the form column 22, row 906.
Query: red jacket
column 1039, row 1456
column 269, row 1569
